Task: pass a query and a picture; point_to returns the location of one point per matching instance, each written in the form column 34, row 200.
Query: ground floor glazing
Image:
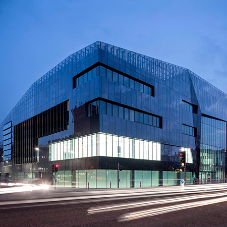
column 101, row 178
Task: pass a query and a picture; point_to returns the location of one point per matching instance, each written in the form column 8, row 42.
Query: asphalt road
column 107, row 211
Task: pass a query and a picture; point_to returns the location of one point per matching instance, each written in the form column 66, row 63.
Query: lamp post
column 36, row 152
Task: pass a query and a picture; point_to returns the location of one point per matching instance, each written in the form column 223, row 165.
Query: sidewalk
column 30, row 192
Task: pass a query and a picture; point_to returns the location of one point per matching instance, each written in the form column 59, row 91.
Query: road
column 204, row 205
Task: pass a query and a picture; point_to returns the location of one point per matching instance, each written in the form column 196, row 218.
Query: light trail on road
column 89, row 196
column 22, row 188
column 167, row 209
column 149, row 203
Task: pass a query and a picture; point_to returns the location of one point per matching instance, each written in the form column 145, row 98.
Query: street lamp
column 36, row 153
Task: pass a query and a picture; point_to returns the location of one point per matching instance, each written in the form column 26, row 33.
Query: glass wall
column 172, row 153
column 100, row 178
column 64, row 178
column 103, row 178
column 114, row 76
column 190, row 107
column 7, row 143
column 188, row 154
column 101, row 144
column 169, row 178
column 111, row 178
column 213, row 149
column 27, row 133
column 189, row 130
column 127, row 113
column 155, row 178
column 144, row 179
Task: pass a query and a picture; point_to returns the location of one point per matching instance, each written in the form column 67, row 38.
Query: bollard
column 110, row 184
column 88, row 185
column 182, row 185
column 140, row 183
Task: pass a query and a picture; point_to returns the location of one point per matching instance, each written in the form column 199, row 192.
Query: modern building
column 104, row 107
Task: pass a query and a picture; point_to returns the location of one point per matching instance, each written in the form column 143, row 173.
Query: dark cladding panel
column 27, row 133
column 83, row 124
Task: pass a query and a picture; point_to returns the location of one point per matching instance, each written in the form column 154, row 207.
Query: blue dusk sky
column 35, row 35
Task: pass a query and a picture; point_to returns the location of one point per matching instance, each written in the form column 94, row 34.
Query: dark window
column 126, row 81
column 183, row 129
column 103, row 71
column 115, row 110
column 121, row 112
column 158, row 122
column 190, row 107
column 150, row 91
column 7, row 131
column 102, row 107
column 150, row 120
column 121, row 79
column 132, row 84
column 146, row 90
column 136, row 116
column 154, row 121
column 112, row 75
column 115, row 77
column 136, row 86
column 93, row 109
column 141, row 88
column 145, row 119
column 189, row 130
column 126, row 113
column 7, row 125
column 131, row 115
column 109, row 109
column 6, row 137
column 109, row 75
column 195, row 109
column 195, row 132
column 141, row 118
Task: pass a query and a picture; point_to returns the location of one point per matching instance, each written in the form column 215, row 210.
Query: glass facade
column 213, row 149
column 112, row 76
column 188, row 130
column 97, row 178
column 123, row 112
column 105, row 145
column 105, row 105
column 26, row 134
column 7, row 143
column 190, row 107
